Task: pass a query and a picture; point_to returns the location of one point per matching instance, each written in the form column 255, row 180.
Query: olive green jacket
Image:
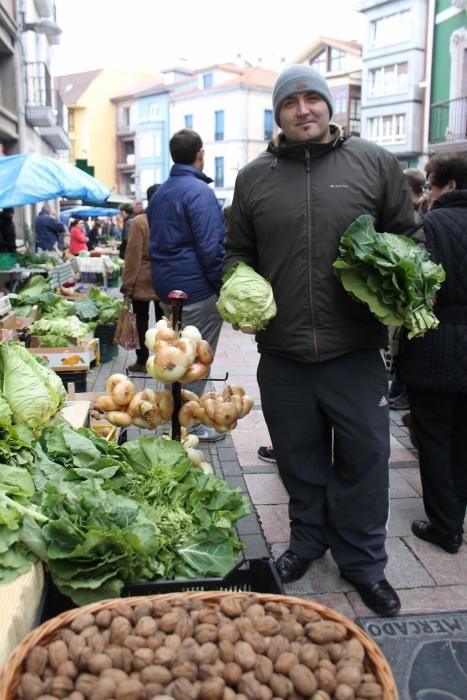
column 291, row 206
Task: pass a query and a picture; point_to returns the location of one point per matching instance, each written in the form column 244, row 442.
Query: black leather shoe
column 379, row 596
column 425, row 531
column 291, row 566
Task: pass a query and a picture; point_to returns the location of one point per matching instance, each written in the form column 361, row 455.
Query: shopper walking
column 137, row 282
column 187, row 229
column 48, row 230
column 434, row 367
column 322, row 379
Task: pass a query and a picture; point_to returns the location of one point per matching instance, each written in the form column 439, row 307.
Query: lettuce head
column 246, row 299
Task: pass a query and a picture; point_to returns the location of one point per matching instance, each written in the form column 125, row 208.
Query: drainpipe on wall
column 23, row 213
column 430, row 31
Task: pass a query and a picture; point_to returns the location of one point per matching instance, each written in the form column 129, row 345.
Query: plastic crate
column 79, row 379
column 109, row 351
column 258, row 575
column 105, row 332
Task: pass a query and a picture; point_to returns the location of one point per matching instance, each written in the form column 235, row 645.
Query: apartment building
column 32, row 117
column 393, row 85
column 446, row 117
column 91, row 116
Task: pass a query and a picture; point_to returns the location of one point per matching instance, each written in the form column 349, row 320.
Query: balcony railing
column 38, row 84
column 448, row 121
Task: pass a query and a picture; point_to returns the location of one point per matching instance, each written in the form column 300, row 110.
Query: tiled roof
column 72, row 86
column 254, row 76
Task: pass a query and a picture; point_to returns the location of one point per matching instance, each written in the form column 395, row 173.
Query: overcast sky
column 153, row 34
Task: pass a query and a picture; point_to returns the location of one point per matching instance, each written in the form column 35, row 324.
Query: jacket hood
column 281, row 149
column 181, row 169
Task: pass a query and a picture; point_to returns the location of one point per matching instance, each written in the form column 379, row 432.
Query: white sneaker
column 205, row 434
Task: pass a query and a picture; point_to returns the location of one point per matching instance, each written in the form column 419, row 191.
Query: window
column 267, row 124
column 387, row 129
column 219, row 125
column 126, row 117
column 387, row 80
column 392, row 29
column 337, row 60
column 320, row 63
column 154, row 113
column 207, row 80
column 71, row 120
column 340, row 96
column 219, row 172
column 354, row 114
column 146, row 146
column 188, row 121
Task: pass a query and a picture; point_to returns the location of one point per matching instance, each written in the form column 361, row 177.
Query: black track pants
column 329, row 426
column 440, row 424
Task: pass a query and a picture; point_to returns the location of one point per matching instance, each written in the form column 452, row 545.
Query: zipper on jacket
column 310, row 256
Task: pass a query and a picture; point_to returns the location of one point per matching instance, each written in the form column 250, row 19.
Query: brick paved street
column 426, row 578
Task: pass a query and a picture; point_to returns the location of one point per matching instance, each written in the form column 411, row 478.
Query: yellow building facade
column 91, row 115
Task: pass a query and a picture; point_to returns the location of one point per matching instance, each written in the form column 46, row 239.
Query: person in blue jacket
column 48, row 230
column 186, row 233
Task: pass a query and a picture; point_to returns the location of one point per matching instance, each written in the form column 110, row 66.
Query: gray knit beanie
column 299, row 78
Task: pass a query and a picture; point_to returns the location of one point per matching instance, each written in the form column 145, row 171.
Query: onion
column 149, row 410
column 113, row 380
column 123, row 392
column 237, row 403
column 186, row 415
column 191, row 332
column 225, row 413
column 195, row 372
column 142, row 423
column 206, row 468
column 196, row 456
column 232, row 390
column 224, row 428
column 164, row 400
column 187, row 346
column 247, row 405
column 189, row 396
column 151, row 395
column 208, row 422
column 191, row 441
column 120, row 418
column 150, row 366
column 150, row 339
column 204, row 352
column 106, row 403
column 167, row 334
column 210, row 406
column 169, row 363
column 134, row 406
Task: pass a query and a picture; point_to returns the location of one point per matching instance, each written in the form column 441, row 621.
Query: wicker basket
column 11, row 672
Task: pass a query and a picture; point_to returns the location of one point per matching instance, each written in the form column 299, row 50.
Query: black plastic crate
column 78, row 378
column 105, row 332
column 258, row 575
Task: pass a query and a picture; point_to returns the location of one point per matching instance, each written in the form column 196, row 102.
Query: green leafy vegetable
column 391, row 274
column 246, row 299
column 58, row 332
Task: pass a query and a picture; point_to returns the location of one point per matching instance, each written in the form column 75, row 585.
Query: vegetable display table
column 101, row 266
column 20, row 603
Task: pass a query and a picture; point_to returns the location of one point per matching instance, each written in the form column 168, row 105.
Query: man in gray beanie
column 322, row 380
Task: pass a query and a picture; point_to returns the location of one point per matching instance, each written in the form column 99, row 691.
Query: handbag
column 126, row 331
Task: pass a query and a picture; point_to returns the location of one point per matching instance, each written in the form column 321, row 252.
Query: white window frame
column 390, row 29
column 388, row 129
column 384, row 81
column 154, row 112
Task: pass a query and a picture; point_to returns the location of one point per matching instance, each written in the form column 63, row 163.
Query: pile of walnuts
column 183, row 648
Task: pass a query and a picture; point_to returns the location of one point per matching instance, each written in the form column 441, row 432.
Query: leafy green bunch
column 391, row 274
column 100, row 515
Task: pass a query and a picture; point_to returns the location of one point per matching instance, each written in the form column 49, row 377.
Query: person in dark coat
column 434, row 367
column 48, row 230
column 7, row 231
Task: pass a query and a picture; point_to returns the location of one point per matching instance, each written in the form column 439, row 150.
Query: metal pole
column 177, row 297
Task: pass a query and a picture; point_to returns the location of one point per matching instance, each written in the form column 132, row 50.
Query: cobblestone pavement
column 426, row 578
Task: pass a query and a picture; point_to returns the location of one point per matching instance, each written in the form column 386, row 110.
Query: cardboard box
column 24, row 322
column 8, row 322
column 76, row 357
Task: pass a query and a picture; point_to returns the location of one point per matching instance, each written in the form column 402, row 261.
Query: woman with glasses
column 434, row 367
